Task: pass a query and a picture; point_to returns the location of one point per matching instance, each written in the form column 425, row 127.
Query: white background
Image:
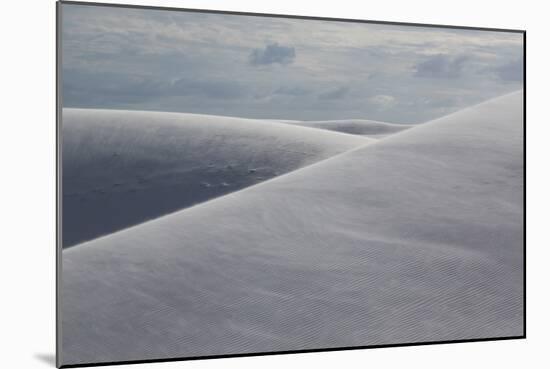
column 27, row 185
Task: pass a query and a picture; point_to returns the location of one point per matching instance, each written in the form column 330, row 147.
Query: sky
column 279, row 68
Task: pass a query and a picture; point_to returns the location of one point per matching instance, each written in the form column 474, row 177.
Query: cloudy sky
column 260, row 67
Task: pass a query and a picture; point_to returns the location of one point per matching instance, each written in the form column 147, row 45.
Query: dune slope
column 417, row 237
column 121, row 168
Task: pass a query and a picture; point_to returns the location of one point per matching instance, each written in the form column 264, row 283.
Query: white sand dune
column 417, row 237
column 121, row 168
column 362, row 127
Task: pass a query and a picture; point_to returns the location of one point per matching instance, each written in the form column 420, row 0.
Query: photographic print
column 238, row 184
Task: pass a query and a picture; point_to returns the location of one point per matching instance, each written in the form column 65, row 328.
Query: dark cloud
column 272, row 54
column 334, row 94
column 292, row 91
column 512, row 71
column 81, row 88
column 215, row 89
column 84, row 88
column 441, row 66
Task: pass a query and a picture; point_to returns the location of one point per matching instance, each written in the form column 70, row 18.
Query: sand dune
column 121, row 168
column 369, row 128
column 417, row 237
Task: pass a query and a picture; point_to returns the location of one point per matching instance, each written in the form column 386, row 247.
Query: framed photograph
column 235, row 184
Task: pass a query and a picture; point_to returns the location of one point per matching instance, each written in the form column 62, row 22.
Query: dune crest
column 362, row 127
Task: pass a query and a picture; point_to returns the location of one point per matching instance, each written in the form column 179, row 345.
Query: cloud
column 334, row 94
column 81, row 88
column 85, row 88
column 292, row 91
column 153, row 60
column 272, row 54
column 512, row 71
column 441, row 66
column 215, row 89
column 382, row 101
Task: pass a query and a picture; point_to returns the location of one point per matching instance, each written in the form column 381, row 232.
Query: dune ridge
column 417, row 237
column 121, row 168
column 363, row 127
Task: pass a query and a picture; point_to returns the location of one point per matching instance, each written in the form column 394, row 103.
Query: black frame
column 58, row 92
